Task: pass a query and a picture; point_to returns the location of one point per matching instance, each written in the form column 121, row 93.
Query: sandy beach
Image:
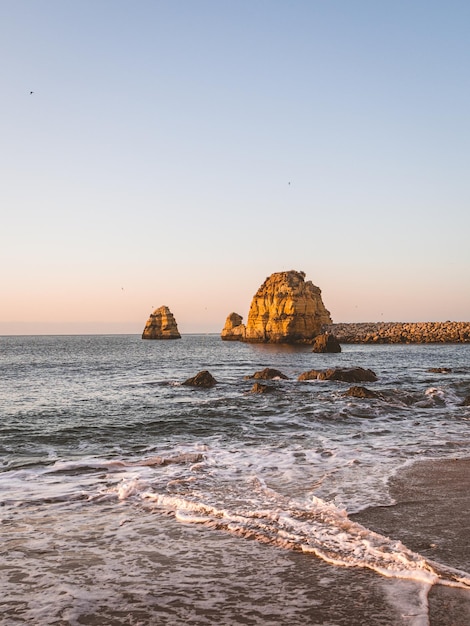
column 431, row 516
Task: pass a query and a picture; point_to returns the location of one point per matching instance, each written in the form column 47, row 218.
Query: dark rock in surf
column 260, row 388
column 440, row 370
column 361, row 392
column 343, row 374
column 326, row 343
column 267, row 374
column 466, row 402
column 310, row 375
column 203, row 379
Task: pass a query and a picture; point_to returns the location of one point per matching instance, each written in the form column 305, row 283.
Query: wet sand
column 431, row 515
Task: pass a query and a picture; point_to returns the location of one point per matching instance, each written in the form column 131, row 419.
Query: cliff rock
column 285, row 309
column 161, row 325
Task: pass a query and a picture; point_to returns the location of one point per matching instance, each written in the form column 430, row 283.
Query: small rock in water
column 260, row 388
column 267, row 374
column 326, row 343
column 202, row 379
column 344, row 374
column 440, row 370
column 361, row 392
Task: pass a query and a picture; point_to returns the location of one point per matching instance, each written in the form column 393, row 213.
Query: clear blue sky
column 177, row 152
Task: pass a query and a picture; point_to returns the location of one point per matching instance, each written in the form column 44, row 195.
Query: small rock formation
column 260, row 388
column 161, row 325
column 344, row 374
column 361, row 392
column 267, row 374
column 466, row 401
column 440, row 370
column 202, row 379
column 326, row 343
column 285, row 309
column 234, row 329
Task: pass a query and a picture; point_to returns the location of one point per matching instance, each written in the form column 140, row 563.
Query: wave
column 312, row 526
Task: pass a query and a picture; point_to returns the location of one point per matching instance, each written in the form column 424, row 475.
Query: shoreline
column 430, row 510
column 400, row 332
column 430, row 516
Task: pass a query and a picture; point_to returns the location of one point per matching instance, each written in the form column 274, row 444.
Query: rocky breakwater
column 161, row 325
column 285, row 309
column 401, row 332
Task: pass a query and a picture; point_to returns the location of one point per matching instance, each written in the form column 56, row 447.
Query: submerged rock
column 285, row 309
column 260, row 388
column 361, row 392
column 161, row 325
column 440, row 370
column 326, row 343
column 267, row 374
column 344, row 374
column 202, row 379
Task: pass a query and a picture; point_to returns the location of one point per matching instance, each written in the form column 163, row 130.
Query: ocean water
column 129, row 498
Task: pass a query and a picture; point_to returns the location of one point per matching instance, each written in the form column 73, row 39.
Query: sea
column 127, row 497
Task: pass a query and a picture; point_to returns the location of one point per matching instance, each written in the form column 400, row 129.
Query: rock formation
column 285, row 309
column 161, row 325
column 234, row 329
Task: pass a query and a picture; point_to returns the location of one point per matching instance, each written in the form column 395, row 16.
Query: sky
column 178, row 152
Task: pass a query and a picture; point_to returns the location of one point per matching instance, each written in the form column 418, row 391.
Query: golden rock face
column 161, row 325
column 285, row 309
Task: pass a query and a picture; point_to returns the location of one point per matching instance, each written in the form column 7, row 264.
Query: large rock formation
column 161, row 325
column 285, row 309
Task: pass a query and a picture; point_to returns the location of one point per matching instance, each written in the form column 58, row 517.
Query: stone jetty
column 401, row 332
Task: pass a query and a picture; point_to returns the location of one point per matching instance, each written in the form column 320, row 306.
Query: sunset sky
column 178, row 152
